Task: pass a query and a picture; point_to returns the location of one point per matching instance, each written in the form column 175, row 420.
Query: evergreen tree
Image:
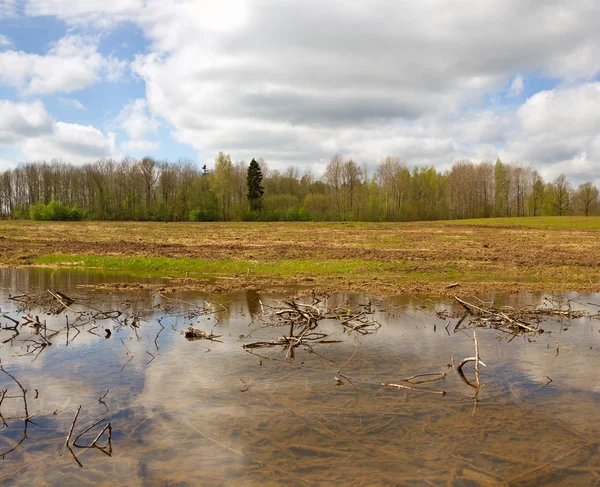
column 255, row 188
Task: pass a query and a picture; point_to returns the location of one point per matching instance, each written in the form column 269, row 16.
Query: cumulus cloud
column 137, row 123
column 72, row 103
column 71, row 64
column 5, row 41
column 517, row 86
column 299, row 80
column 29, row 127
column 23, row 120
column 8, row 9
column 70, row 142
column 558, row 130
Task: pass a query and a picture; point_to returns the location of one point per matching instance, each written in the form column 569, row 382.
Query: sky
column 297, row 81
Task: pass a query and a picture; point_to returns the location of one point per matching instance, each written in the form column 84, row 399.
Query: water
column 179, row 416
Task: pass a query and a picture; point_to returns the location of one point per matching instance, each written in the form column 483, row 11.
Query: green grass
column 187, row 266
column 546, row 222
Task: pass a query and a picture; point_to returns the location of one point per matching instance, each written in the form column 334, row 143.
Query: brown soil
column 437, row 254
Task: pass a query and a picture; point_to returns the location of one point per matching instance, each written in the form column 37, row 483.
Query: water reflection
column 181, row 417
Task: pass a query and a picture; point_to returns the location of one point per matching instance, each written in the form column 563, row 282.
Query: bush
column 203, row 215
column 54, row 211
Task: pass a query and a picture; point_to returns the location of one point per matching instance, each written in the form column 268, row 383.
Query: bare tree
column 561, row 192
column 586, row 199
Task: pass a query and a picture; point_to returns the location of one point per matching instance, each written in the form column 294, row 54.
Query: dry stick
column 467, row 360
column 107, row 426
column 126, row 348
column 72, row 426
column 476, row 360
column 438, row 375
column 15, row 321
column 61, row 301
column 399, row 386
column 467, row 306
column 153, row 357
column 23, row 390
column 2, row 394
column 101, row 399
column 130, row 359
column 351, row 356
column 85, row 431
column 157, row 335
column 460, row 322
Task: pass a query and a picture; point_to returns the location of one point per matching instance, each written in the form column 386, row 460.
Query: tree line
column 153, row 190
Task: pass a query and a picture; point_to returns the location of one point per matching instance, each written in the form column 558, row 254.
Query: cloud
column 8, row 9
column 557, row 130
column 5, row 41
column 6, row 164
column 71, row 64
column 516, row 87
column 144, row 146
column 29, row 127
column 71, row 142
column 72, row 103
column 23, row 120
column 570, row 110
column 296, row 81
column 137, row 123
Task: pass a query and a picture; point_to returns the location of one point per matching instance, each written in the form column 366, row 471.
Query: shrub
column 203, row 215
column 55, row 211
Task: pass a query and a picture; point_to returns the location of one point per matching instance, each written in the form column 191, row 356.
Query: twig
column 476, row 360
column 437, row 375
column 399, row 386
column 467, row 360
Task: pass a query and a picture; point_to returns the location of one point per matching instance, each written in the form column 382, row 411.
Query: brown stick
column 72, row 425
column 476, row 360
column 399, row 386
column 468, row 307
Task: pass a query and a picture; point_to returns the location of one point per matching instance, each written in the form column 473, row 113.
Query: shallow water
column 179, row 416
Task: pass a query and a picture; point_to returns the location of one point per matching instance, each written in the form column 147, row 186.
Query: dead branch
column 408, row 388
column 436, row 376
column 494, row 318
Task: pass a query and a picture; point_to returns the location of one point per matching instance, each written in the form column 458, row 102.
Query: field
column 549, row 253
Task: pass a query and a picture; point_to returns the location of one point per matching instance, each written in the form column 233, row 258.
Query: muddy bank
column 407, row 258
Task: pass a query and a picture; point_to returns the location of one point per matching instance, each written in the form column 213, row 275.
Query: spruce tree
column 255, row 189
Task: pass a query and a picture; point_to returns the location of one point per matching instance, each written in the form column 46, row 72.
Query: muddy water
column 179, row 416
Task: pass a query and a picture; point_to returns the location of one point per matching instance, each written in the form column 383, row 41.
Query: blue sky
column 296, row 82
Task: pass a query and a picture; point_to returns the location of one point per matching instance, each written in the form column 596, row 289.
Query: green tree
column 222, row 183
column 561, row 200
column 501, row 189
column 586, row 199
column 255, row 188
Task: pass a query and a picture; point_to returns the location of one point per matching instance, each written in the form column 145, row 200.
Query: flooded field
column 251, row 403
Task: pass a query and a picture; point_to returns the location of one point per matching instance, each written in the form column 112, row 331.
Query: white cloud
column 137, row 123
column 557, row 130
column 29, row 127
column 139, row 146
column 23, row 120
column 517, row 86
column 572, row 110
column 71, row 64
column 72, row 103
column 299, row 80
column 71, row 142
column 8, row 9
column 6, row 164
column 5, row 41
